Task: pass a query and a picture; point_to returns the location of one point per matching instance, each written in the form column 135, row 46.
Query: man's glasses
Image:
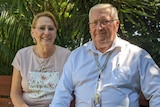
column 43, row 28
column 102, row 22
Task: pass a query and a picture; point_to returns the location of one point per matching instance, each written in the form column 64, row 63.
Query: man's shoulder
column 128, row 44
column 82, row 48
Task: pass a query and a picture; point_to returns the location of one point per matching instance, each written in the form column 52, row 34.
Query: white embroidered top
column 39, row 84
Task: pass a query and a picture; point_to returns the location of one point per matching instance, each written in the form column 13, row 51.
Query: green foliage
column 139, row 24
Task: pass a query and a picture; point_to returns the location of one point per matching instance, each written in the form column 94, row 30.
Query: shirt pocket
column 121, row 75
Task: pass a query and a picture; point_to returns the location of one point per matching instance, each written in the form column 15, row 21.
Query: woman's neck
column 44, row 52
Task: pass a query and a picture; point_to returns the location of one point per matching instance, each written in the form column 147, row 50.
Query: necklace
column 43, row 65
column 43, row 61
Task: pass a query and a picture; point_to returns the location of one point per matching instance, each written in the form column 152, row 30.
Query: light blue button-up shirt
column 129, row 70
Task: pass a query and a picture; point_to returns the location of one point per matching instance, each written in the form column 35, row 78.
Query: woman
column 37, row 68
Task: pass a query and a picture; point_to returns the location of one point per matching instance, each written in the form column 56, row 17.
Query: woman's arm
column 16, row 90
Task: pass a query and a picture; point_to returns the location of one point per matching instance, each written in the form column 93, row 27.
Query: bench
column 143, row 102
column 5, row 86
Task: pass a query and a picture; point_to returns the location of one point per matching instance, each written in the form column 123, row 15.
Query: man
column 107, row 71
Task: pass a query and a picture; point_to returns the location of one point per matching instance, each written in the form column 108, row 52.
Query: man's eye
column 94, row 23
column 104, row 22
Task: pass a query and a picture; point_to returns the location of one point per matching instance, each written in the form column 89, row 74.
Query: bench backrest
column 143, row 102
column 5, row 86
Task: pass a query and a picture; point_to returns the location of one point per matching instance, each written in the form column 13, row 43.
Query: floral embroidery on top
column 42, row 84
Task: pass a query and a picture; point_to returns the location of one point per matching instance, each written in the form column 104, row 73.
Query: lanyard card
column 96, row 100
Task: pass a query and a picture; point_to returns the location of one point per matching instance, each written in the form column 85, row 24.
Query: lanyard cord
column 100, row 69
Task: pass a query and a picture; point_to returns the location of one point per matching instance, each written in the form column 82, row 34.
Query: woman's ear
column 32, row 34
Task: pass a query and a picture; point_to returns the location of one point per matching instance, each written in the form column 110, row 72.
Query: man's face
column 103, row 28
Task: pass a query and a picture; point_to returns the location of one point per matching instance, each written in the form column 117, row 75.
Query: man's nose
column 99, row 26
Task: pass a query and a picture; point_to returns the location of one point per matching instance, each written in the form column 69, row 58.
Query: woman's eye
column 42, row 28
column 51, row 29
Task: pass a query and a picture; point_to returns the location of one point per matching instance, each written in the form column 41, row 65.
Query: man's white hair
column 114, row 12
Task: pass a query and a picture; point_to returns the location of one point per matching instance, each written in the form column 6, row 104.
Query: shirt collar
column 117, row 43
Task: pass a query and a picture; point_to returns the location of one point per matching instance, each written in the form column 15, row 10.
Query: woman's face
column 44, row 32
